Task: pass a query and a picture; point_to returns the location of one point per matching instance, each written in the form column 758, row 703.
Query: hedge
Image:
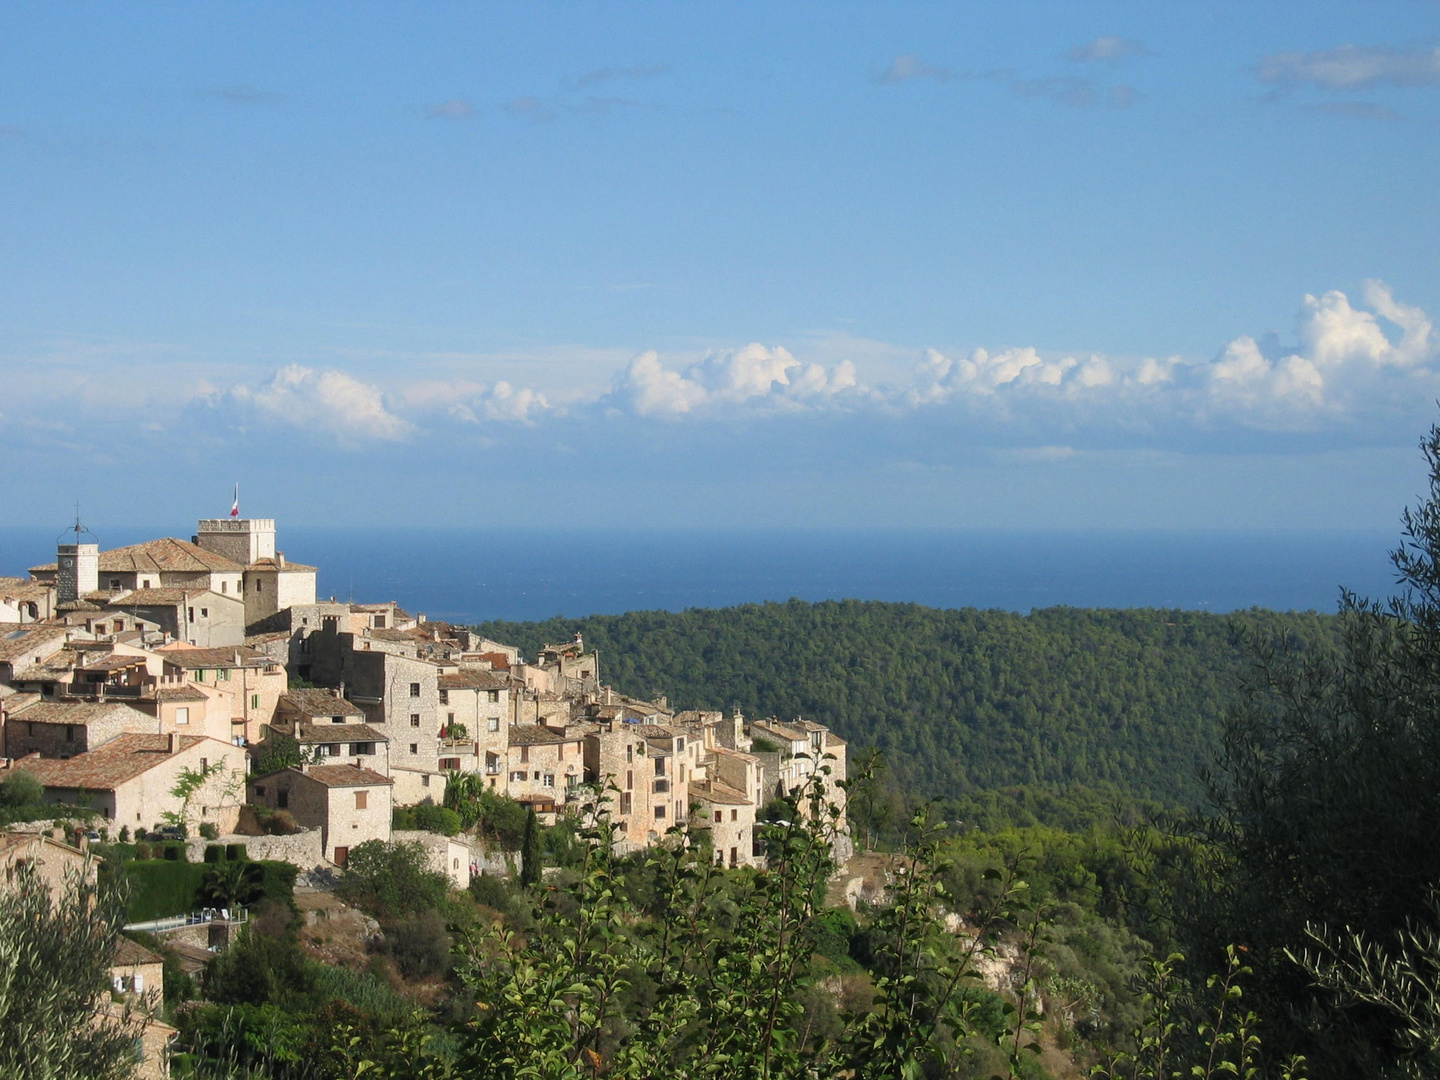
column 160, row 888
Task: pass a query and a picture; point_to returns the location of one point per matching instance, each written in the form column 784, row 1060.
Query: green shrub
column 21, row 789
column 436, row 819
column 161, row 888
column 390, row 880
column 236, row 852
column 214, row 853
column 209, row 830
column 280, row 881
column 419, row 945
column 402, row 818
column 493, row 892
column 174, row 853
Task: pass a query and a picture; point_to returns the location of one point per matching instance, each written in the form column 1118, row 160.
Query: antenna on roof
column 78, row 529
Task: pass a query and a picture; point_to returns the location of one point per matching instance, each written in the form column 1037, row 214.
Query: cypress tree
column 530, row 852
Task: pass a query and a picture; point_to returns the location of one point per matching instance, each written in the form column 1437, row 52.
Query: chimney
column 420, row 617
column 172, row 743
column 280, row 559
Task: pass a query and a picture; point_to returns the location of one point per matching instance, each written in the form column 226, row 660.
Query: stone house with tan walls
column 728, row 815
column 64, row 729
column 194, row 616
column 25, row 646
column 131, row 779
column 247, row 682
column 544, row 767
column 479, row 702
column 52, row 862
column 349, row 805
column 23, row 600
column 331, row 730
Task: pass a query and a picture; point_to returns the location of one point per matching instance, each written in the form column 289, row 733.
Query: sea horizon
column 468, row 575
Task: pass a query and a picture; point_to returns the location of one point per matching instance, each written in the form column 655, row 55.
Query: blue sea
column 466, row 575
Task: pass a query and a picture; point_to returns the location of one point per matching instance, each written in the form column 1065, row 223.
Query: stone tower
column 77, row 570
column 241, row 540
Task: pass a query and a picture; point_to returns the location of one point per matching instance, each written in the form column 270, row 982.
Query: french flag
column 235, row 506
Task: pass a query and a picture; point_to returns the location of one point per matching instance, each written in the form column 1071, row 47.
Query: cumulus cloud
column 753, row 375
column 529, row 108
column 1107, row 50
column 451, row 109
column 612, row 74
column 1352, row 67
column 1348, row 361
column 327, row 401
column 908, row 66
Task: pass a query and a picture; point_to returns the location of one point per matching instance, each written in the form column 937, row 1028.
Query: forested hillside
column 959, row 700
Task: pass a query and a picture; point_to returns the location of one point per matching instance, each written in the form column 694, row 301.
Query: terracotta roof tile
column 316, row 702
column 346, row 776
column 166, row 555
column 106, row 767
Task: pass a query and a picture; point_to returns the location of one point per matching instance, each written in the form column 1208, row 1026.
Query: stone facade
column 349, row 805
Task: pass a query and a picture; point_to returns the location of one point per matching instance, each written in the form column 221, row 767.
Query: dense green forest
column 963, row 700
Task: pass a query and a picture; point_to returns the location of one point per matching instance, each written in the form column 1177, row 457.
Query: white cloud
column 1107, row 50
column 908, row 66
column 753, row 374
column 328, row 401
column 452, row 109
column 1352, row 67
column 1345, row 367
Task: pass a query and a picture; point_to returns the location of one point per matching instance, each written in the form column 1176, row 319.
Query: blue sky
column 1022, row 265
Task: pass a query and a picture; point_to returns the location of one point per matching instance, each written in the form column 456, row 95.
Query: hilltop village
column 152, row 683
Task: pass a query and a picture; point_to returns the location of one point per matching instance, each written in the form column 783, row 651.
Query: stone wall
column 303, row 849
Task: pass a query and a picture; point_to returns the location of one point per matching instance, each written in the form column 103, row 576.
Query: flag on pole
column 235, row 506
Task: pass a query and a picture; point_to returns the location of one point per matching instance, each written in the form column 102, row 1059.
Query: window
column 337, row 719
column 204, row 764
column 224, row 587
column 414, row 719
column 199, row 674
column 425, row 780
column 549, row 779
column 191, row 612
column 451, row 763
column 182, row 715
column 414, row 689
column 114, row 582
column 494, row 723
column 629, row 753
column 537, row 775
column 362, row 800
column 492, row 695
column 629, row 778
column 734, row 815
column 282, row 799
column 254, row 701
column 331, row 749
column 362, row 749
column 204, row 612
column 625, row 802
column 414, row 748
column 260, row 791
column 449, row 718
column 719, row 815
column 445, row 698
column 258, row 586
column 659, row 813
column 679, row 745
column 379, row 622
column 518, row 777
column 69, row 732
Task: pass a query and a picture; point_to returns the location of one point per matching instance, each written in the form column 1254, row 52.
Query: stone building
column 132, row 779
column 728, row 814
column 349, row 804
